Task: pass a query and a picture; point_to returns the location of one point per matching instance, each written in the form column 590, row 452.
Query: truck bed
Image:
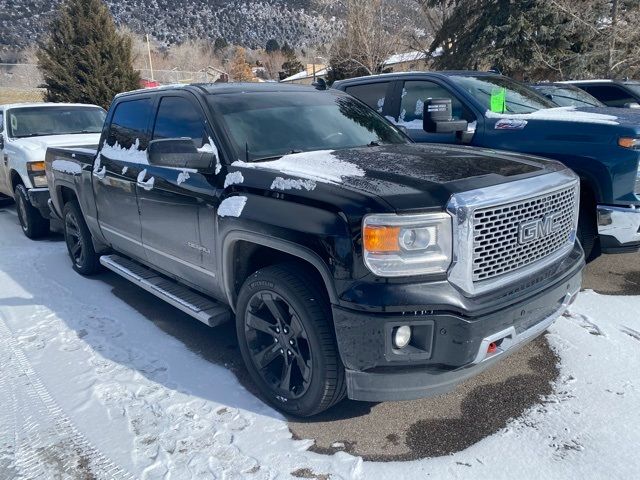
column 70, row 168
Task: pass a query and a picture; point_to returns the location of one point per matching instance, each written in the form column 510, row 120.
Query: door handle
column 101, row 173
column 145, row 184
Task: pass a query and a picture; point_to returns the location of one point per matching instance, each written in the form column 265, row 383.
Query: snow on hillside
column 91, row 388
column 245, row 22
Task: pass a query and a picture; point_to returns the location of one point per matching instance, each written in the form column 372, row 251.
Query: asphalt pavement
column 401, row 430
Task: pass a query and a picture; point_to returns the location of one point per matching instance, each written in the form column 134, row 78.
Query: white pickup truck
column 26, row 130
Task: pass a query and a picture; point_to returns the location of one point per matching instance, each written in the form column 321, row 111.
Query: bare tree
column 370, row 36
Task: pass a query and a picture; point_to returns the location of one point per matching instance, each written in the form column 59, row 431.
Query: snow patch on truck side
column 321, row 166
column 559, row 114
column 232, row 206
column 233, row 178
column 132, row 154
column 65, row 166
column 183, row 176
column 292, row 184
column 147, row 185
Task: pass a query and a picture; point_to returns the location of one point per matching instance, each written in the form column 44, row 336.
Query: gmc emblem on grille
column 539, row 228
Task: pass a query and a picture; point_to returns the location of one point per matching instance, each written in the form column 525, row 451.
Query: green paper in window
column 498, row 100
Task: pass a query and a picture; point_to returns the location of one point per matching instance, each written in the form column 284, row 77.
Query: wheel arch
column 279, row 251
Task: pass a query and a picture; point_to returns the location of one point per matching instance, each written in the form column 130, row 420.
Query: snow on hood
column 33, row 144
column 321, row 166
column 560, row 114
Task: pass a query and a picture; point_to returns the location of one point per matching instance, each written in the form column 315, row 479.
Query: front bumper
column 39, row 198
column 446, row 348
column 619, row 228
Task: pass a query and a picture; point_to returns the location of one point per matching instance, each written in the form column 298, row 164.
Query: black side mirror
column 438, row 117
column 180, row 153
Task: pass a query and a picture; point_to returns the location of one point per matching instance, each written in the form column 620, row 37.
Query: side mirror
column 180, row 153
column 438, row 117
column 632, row 105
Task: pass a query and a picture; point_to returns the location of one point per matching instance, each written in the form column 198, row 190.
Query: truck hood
column 41, row 143
column 623, row 117
column 408, row 177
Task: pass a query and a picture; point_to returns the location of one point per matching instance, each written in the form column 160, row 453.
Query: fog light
column 401, row 336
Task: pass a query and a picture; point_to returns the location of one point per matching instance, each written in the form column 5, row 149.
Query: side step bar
column 202, row 308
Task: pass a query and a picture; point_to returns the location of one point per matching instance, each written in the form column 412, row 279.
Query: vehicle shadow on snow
column 218, row 345
column 383, row 432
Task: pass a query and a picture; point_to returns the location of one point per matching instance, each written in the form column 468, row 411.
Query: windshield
column 267, row 125
column 569, row 96
column 62, row 120
column 502, row 95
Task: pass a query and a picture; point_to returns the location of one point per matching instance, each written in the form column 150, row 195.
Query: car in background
column 26, row 131
column 613, row 93
column 565, row 95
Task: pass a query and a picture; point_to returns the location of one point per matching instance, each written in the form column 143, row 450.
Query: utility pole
column 149, row 52
column 612, row 38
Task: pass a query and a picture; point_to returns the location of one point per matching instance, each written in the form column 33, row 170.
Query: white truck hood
column 40, row 144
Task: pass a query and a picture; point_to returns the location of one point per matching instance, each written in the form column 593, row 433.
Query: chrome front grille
column 498, row 246
column 507, row 233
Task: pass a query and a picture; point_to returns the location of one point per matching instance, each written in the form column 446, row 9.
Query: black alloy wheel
column 278, row 344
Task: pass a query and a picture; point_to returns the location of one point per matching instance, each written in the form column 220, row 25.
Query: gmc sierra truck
column 353, row 261
column 602, row 145
column 26, row 130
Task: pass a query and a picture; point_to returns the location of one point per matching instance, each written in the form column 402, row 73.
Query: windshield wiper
column 276, row 157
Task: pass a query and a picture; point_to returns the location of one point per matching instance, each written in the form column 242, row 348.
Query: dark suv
column 613, row 93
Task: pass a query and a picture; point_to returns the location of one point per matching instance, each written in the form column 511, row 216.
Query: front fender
column 317, row 236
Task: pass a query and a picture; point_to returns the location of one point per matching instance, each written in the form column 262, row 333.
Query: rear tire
column 33, row 224
column 78, row 239
column 285, row 333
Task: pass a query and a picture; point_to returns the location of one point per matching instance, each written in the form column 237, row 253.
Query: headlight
column 628, row 142
column 39, row 181
column 403, row 245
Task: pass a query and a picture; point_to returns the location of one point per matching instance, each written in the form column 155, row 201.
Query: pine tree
column 240, row 70
column 272, row 45
column 291, row 64
column 85, row 59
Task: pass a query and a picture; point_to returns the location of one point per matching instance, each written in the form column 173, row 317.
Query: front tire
column 588, row 231
column 33, row 224
column 286, row 337
column 78, row 239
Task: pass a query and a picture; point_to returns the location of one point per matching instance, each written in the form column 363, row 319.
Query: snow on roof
column 304, row 74
column 405, row 57
column 600, row 80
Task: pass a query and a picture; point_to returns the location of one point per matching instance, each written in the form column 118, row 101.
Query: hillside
column 246, row 22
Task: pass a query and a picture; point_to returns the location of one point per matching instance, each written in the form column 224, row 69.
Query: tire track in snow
column 41, row 440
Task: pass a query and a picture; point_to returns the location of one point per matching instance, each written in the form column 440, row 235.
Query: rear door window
column 373, row 94
column 180, row 118
column 130, row 124
column 611, row 95
column 414, row 95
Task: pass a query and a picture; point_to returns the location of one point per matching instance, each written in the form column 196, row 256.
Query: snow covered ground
column 91, row 388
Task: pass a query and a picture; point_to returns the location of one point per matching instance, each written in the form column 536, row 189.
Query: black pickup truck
column 353, row 261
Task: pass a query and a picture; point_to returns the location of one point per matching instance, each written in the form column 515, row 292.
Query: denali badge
column 539, row 228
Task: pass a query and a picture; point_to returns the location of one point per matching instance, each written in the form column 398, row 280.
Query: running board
column 202, row 308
